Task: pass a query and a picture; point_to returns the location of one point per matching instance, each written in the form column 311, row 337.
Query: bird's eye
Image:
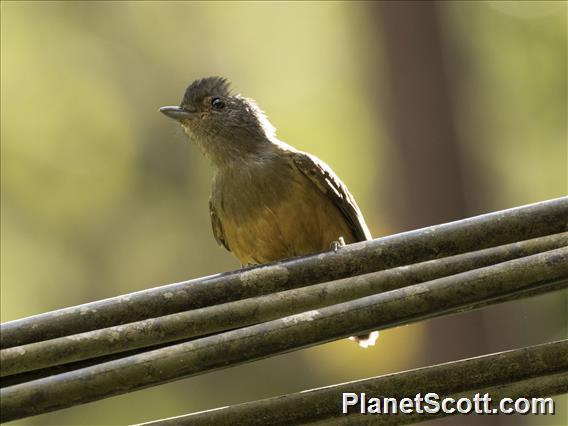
column 217, row 103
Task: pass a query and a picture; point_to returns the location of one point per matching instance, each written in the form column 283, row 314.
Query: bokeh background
column 429, row 112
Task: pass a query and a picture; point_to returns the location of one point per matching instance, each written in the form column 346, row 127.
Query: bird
column 269, row 201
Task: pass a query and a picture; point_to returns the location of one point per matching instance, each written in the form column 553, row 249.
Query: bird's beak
column 176, row 112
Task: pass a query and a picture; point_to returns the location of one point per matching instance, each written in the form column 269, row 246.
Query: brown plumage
column 269, row 201
column 297, row 207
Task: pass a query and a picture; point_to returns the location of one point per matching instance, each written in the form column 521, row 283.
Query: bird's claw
column 335, row 245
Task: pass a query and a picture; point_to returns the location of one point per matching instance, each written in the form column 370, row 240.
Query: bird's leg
column 336, row 244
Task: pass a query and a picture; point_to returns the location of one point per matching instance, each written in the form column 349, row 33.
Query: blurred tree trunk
column 426, row 184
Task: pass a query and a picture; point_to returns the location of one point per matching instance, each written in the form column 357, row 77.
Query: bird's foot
column 247, row 265
column 335, row 245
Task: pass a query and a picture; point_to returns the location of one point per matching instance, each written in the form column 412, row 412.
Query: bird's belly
column 301, row 222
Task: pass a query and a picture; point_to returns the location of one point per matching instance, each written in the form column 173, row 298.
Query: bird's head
column 225, row 126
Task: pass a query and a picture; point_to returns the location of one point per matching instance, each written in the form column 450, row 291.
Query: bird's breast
column 272, row 211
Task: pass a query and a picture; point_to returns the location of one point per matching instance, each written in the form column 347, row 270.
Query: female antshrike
column 269, row 201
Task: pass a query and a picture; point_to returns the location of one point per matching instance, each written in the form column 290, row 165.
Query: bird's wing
column 217, row 227
column 328, row 183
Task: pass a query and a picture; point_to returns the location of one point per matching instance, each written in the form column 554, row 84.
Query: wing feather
column 217, row 227
column 329, row 183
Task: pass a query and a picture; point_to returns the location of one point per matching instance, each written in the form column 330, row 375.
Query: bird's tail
column 366, row 340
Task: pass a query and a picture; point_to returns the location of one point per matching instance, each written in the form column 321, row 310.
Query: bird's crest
column 210, row 86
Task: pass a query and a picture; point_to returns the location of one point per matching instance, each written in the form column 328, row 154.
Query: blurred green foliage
column 102, row 195
column 511, row 108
